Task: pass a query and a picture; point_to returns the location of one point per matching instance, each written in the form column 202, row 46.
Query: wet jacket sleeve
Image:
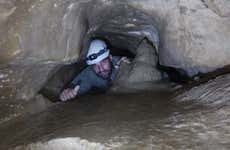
column 83, row 81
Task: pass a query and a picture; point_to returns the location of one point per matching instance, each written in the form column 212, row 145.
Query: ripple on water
column 70, row 143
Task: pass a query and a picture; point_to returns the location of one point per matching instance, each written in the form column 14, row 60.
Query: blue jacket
column 88, row 79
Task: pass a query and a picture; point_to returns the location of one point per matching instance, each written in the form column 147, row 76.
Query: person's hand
column 69, row 93
column 126, row 60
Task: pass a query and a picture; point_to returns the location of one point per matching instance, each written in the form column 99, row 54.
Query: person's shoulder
column 115, row 59
column 87, row 70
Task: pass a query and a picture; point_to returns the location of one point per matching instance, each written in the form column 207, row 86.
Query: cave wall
column 36, row 37
column 142, row 70
column 194, row 35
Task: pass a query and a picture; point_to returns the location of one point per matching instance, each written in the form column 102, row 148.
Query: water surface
column 146, row 120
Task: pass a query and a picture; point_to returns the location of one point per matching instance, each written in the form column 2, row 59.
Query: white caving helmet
column 97, row 52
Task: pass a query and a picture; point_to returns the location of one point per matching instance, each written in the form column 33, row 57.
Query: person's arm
column 80, row 85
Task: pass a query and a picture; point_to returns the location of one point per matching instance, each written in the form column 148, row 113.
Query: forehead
column 106, row 60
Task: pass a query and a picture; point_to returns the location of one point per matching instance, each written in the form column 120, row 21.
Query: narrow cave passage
column 127, row 32
column 137, row 72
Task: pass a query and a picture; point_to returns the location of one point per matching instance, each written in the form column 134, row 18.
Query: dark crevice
column 180, row 76
column 204, row 3
column 202, row 78
column 115, row 50
column 176, row 75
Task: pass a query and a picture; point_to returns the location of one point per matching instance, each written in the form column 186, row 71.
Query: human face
column 103, row 68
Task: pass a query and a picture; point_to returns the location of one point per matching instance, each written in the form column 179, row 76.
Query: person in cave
column 100, row 72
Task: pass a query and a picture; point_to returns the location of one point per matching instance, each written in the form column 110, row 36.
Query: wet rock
column 22, row 82
column 141, row 70
column 193, row 36
column 36, row 37
column 214, row 93
column 41, row 31
column 123, row 26
column 220, row 7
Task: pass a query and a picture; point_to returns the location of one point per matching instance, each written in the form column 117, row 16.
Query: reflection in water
column 144, row 120
column 64, row 144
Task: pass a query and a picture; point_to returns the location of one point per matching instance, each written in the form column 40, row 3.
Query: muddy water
column 147, row 120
